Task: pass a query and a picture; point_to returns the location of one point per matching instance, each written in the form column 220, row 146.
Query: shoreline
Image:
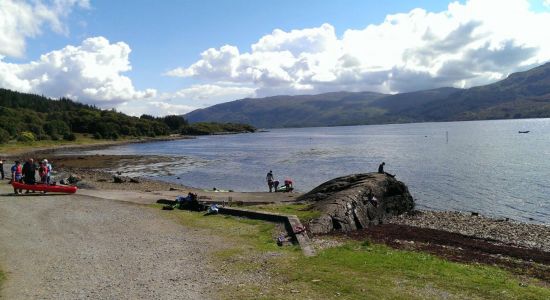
column 521, row 248
column 97, row 173
column 101, row 144
column 522, row 234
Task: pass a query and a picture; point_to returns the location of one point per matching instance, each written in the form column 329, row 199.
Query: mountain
column 520, row 95
column 330, row 109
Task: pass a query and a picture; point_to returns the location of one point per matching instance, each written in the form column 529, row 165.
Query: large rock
column 344, row 203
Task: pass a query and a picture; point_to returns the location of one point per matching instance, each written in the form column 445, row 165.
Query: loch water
column 479, row 166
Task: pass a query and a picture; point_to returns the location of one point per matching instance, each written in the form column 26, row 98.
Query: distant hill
column 521, row 95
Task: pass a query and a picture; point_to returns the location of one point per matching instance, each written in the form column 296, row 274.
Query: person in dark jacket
column 2, row 168
column 381, row 170
column 269, row 178
column 29, row 172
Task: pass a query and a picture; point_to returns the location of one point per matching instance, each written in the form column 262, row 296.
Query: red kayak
column 67, row 189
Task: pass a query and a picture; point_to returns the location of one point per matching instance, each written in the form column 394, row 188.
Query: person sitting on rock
column 381, row 170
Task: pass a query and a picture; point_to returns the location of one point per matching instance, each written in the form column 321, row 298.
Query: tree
column 4, row 136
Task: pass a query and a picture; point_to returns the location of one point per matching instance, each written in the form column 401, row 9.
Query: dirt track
column 77, row 246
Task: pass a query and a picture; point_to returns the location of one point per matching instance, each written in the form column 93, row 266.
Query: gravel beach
column 534, row 236
column 78, row 247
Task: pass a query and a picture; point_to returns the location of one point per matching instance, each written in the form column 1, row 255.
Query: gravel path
column 77, row 246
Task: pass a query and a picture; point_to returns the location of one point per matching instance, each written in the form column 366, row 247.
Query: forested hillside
column 521, row 95
column 28, row 117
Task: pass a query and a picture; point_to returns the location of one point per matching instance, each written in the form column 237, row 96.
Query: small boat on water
column 65, row 189
column 526, row 131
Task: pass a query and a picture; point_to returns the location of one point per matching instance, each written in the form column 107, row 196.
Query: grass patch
column 355, row 270
column 250, row 233
column 2, row 278
column 301, row 210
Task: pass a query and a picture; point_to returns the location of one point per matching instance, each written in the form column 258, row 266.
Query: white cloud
column 185, row 100
column 154, row 108
column 546, row 3
column 209, row 94
column 468, row 44
column 20, row 20
column 90, row 73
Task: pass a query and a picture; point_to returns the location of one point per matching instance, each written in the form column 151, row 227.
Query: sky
column 174, row 56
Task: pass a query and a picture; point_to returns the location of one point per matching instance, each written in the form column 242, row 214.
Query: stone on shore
column 345, row 206
column 118, row 179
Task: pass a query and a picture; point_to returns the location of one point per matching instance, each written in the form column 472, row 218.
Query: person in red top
column 43, row 172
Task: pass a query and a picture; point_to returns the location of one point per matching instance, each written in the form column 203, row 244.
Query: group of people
column 273, row 184
column 27, row 172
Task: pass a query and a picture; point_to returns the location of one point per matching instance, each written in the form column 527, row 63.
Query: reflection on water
column 485, row 166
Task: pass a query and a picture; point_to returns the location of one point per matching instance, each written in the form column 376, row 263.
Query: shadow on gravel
column 32, row 195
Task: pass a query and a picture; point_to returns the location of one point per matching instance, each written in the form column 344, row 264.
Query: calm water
column 485, row 166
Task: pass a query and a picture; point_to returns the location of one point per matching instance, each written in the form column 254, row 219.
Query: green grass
column 301, row 210
column 2, row 278
column 352, row 271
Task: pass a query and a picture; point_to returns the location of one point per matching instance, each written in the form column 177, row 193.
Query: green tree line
column 29, row 117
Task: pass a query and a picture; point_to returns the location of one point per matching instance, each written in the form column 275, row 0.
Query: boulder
column 344, row 202
column 118, row 179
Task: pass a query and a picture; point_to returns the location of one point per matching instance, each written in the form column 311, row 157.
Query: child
column 43, row 172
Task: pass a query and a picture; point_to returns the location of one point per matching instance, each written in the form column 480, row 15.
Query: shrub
column 4, row 136
column 56, row 127
column 26, row 137
column 69, row 136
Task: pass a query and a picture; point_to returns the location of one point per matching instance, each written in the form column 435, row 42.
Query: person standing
column 17, row 175
column 2, row 168
column 43, row 172
column 29, row 172
column 269, row 178
column 49, row 166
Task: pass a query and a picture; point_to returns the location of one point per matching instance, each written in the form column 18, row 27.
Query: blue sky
column 163, row 34
column 319, row 46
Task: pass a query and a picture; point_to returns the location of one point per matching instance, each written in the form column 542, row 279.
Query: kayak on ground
column 67, row 189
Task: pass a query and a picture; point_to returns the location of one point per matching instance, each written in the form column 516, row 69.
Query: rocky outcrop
column 346, row 203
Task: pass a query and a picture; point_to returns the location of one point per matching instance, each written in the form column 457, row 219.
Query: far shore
column 23, row 150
